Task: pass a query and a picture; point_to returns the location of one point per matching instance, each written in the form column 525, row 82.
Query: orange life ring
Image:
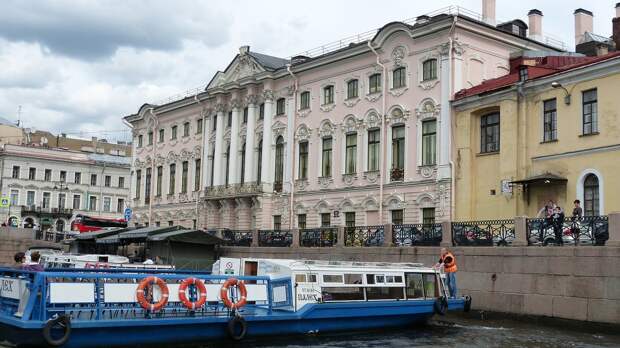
column 242, row 291
column 201, row 289
column 141, row 295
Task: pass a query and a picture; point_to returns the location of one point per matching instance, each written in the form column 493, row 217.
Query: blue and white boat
column 97, row 308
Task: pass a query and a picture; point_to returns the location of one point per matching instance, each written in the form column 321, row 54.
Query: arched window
column 243, row 163
column 279, row 174
column 259, row 164
column 227, row 162
column 591, row 204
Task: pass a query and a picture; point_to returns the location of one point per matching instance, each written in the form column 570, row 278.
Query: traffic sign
column 128, row 214
column 4, row 202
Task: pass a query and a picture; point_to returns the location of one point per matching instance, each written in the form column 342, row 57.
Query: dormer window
column 328, row 95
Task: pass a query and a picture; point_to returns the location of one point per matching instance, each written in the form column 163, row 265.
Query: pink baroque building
column 359, row 135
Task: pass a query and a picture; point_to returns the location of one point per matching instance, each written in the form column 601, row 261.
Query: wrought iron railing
column 52, row 236
column 483, row 233
column 275, row 238
column 397, row 174
column 318, row 237
column 364, row 236
column 588, row 230
column 237, row 237
column 417, row 234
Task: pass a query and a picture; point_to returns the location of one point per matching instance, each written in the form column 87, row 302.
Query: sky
column 79, row 66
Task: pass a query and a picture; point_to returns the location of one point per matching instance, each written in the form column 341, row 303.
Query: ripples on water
column 460, row 333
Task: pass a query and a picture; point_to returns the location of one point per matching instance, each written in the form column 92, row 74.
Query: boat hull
column 316, row 318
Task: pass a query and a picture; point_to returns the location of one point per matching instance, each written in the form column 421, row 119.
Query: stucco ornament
column 236, row 104
column 245, row 67
column 304, row 112
column 349, row 179
column 443, row 196
column 328, row 107
column 350, row 124
column 326, row 129
column 372, row 120
column 427, row 109
column 268, row 95
column 278, row 129
column 301, row 184
column 325, row 181
column 374, row 97
column 426, row 172
column 220, row 107
column 303, row 132
column 398, row 54
column 372, row 176
column 251, row 99
column 398, row 116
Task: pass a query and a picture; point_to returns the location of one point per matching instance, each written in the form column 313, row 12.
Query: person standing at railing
column 577, row 210
column 34, row 264
column 448, row 261
column 558, row 223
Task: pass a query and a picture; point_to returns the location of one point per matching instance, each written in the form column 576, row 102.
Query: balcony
column 248, row 189
column 397, row 174
column 46, row 211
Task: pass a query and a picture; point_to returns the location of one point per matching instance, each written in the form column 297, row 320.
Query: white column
column 250, row 139
column 290, row 143
column 266, row 167
column 234, row 176
column 444, row 120
column 219, row 161
column 205, row 173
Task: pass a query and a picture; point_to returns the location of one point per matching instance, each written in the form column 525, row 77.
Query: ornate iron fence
column 364, row 236
column 417, row 234
column 483, row 233
column 275, row 238
column 318, row 237
column 237, row 237
column 589, row 230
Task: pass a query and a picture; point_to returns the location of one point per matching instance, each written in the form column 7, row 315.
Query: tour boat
column 239, row 298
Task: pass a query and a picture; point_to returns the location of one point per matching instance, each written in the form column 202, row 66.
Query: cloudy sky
column 79, row 66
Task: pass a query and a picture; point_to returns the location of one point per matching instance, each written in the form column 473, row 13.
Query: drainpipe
column 452, row 168
column 202, row 114
column 155, row 123
column 383, row 145
column 128, row 198
column 292, row 141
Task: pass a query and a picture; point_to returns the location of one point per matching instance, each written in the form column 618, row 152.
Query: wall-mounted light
column 556, row 84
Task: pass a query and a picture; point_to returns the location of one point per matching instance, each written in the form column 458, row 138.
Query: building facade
column 548, row 131
column 357, row 136
column 48, row 187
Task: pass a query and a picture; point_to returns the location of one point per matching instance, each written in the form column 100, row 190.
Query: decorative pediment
column 303, row 132
column 326, row 128
column 428, row 108
column 243, row 66
column 350, row 124
column 278, row 129
column 372, row 119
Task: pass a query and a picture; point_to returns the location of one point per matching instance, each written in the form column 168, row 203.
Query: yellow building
column 550, row 130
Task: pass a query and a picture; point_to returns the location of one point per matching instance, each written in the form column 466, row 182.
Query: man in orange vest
column 448, row 261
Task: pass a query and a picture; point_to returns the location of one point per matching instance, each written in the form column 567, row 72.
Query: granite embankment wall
column 13, row 240
column 578, row 283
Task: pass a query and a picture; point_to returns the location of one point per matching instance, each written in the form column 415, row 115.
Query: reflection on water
column 457, row 332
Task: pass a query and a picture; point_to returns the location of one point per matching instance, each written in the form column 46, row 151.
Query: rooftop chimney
column 535, row 24
column 488, row 11
column 616, row 27
column 583, row 24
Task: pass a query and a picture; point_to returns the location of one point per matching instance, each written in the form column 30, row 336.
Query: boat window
column 398, row 279
column 300, row 278
column 332, row 278
column 311, row 278
column 380, row 279
column 415, row 286
column 379, row 293
column 389, row 279
column 343, row 294
column 370, row 278
column 352, row 278
column 430, row 290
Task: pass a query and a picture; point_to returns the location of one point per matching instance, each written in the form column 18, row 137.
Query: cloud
column 94, row 30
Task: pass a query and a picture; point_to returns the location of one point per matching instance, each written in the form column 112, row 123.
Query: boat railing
column 94, row 295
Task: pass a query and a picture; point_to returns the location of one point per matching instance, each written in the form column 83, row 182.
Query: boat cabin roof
column 344, row 266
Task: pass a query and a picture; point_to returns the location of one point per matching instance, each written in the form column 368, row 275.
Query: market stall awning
column 541, row 179
column 187, row 236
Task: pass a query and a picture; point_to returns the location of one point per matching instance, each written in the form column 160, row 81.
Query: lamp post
column 61, row 187
column 556, row 84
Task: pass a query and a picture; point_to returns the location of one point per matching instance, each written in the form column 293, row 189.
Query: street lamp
column 556, row 84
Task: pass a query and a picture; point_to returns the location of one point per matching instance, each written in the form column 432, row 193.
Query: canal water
column 453, row 332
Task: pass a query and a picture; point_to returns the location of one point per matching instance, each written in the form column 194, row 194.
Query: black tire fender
column 441, row 305
column 467, row 306
column 233, row 328
column 62, row 320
